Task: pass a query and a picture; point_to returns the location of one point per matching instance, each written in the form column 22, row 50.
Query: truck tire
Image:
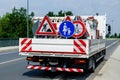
column 92, row 69
column 104, row 53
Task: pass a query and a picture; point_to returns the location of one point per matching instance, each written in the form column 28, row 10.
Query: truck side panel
column 96, row 45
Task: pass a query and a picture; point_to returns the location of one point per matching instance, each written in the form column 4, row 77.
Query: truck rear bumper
column 56, row 68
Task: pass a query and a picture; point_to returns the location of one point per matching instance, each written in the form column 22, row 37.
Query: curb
column 10, row 48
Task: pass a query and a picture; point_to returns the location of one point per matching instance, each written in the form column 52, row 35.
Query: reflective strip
column 75, row 70
column 26, row 44
column 79, row 46
column 29, row 67
column 43, row 68
column 37, row 67
column 57, row 69
column 67, row 69
column 76, row 49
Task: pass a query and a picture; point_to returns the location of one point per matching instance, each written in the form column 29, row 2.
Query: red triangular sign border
column 80, row 18
column 68, row 18
column 46, row 18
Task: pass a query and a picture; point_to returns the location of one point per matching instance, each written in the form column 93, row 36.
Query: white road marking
column 111, row 44
column 12, row 60
column 13, row 52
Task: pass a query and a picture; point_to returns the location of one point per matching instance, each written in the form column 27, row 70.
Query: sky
column 79, row 7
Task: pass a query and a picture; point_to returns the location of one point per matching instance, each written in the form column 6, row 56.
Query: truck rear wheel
column 92, row 69
column 104, row 53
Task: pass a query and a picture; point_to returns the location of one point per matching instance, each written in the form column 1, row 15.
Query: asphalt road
column 13, row 67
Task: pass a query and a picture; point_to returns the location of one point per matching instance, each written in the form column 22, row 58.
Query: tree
column 119, row 35
column 59, row 14
column 69, row 13
column 4, row 26
column 14, row 25
column 111, row 36
column 50, row 14
column 115, row 35
column 107, row 35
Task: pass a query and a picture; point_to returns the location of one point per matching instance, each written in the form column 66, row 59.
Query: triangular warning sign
column 77, row 18
column 68, row 18
column 46, row 27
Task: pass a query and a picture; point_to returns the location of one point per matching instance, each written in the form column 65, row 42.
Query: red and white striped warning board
column 79, row 46
column 26, row 44
column 57, row 69
column 46, row 27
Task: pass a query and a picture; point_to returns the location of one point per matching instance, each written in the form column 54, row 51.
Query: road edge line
column 111, row 44
column 12, row 60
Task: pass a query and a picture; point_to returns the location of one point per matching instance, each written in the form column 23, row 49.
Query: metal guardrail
column 9, row 42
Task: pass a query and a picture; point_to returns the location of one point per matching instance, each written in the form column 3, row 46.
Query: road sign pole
column 28, row 18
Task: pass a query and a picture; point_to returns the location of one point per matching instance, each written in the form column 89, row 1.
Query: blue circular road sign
column 66, row 29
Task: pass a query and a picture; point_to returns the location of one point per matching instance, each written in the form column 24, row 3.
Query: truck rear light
column 34, row 59
column 40, row 60
column 79, row 61
column 29, row 58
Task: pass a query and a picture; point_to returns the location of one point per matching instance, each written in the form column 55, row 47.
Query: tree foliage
column 115, row 35
column 119, row 35
column 59, row 14
column 69, row 13
column 4, row 21
column 51, row 14
column 14, row 25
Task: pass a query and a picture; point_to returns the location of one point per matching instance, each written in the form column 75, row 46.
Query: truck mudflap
column 56, row 68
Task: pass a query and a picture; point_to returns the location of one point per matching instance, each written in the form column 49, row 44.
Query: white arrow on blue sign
column 66, row 29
